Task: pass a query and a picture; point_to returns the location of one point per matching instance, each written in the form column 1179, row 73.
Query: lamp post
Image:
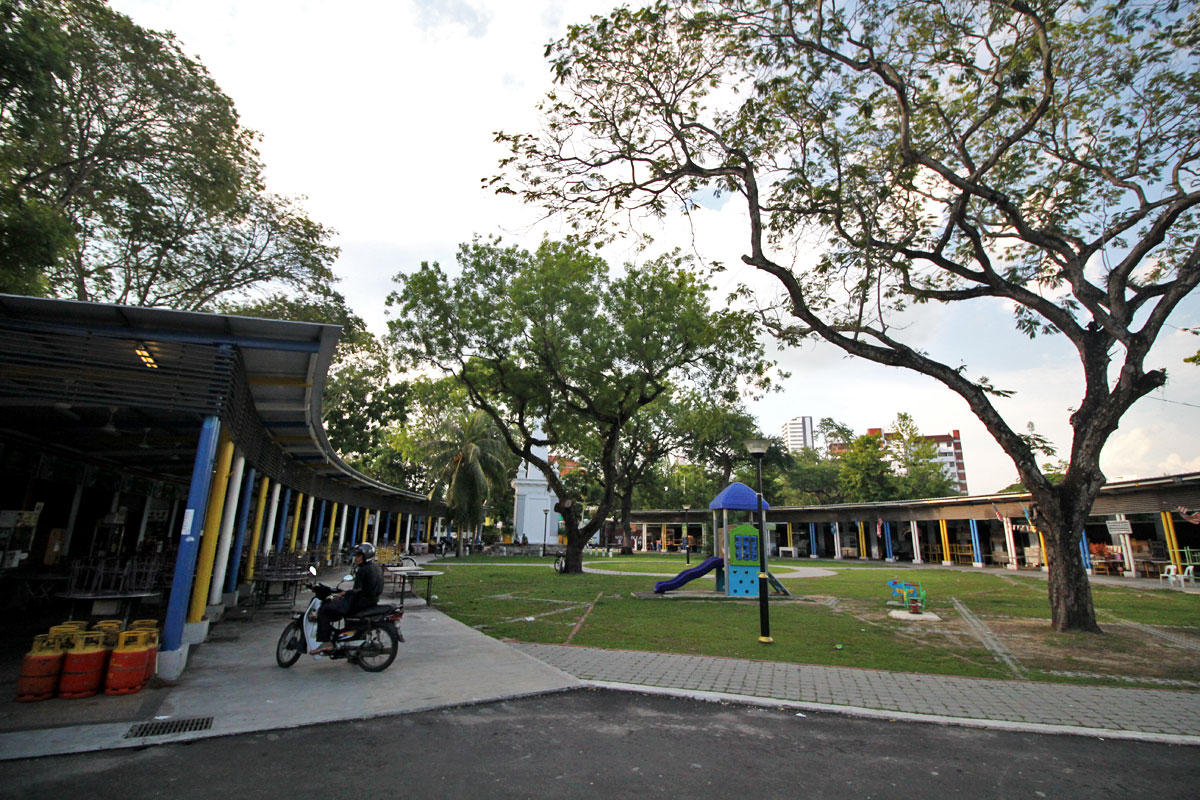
column 545, row 522
column 757, row 448
column 687, row 551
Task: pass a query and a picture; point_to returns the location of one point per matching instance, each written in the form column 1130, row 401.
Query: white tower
column 533, row 500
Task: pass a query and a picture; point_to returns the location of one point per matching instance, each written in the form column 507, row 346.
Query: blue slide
column 688, row 574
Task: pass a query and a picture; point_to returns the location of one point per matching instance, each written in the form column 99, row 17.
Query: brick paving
column 1145, row 714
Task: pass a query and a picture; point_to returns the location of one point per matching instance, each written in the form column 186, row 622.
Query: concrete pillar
column 916, row 540
column 308, row 509
column 272, row 511
column 212, row 524
column 1010, row 542
column 225, row 538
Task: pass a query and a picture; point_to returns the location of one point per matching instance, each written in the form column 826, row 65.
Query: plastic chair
column 1188, row 574
column 1169, row 574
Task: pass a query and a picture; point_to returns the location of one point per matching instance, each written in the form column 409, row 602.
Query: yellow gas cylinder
column 83, row 665
column 40, row 670
column 112, row 629
column 127, row 665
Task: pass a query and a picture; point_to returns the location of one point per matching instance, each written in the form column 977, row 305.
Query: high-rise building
column 949, row 455
column 798, row 434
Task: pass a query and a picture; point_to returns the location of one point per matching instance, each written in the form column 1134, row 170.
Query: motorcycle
column 369, row 638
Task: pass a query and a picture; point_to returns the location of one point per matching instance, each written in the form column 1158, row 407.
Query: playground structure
column 736, row 560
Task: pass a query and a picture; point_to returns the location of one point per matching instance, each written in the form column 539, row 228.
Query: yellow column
column 295, row 523
column 1045, row 555
column 212, row 522
column 256, row 532
column 789, row 529
column 662, row 539
column 396, row 538
column 329, row 538
column 1172, row 543
column 946, row 542
column 862, row 541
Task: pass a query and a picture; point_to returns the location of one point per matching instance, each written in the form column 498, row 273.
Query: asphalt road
column 597, row 744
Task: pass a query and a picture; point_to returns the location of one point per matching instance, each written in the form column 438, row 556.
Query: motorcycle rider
column 368, row 585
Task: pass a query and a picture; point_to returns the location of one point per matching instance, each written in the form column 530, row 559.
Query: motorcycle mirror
column 348, row 578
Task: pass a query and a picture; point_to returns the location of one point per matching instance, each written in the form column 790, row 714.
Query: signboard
column 1118, row 526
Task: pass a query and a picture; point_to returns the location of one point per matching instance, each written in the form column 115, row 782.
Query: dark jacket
column 368, row 584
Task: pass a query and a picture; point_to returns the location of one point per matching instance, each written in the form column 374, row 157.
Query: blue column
column 887, row 539
column 189, row 541
column 387, row 527
column 1083, row 551
column 239, row 539
column 320, row 529
column 975, row 541
column 813, row 548
column 281, row 534
column 354, row 526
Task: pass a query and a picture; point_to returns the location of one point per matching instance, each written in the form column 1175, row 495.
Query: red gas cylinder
column 40, row 670
column 83, row 666
column 127, row 665
column 151, row 626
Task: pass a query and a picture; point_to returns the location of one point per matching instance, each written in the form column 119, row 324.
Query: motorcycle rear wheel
column 291, row 644
column 378, row 649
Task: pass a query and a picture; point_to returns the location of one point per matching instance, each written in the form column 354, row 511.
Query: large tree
column 1038, row 155
column 125, row 175
column 554, row 349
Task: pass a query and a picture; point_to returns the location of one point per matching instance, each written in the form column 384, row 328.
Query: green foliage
column 125, row 175
column 561, row 355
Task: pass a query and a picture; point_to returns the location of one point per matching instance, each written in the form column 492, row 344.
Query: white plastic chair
column 1189, row 575
column 1169, row 574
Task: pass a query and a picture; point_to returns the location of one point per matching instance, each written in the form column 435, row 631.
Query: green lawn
column 839, row 620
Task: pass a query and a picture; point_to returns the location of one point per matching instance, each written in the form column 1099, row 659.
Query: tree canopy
column 1040, row 156
column 555, row 350
column 125, row 175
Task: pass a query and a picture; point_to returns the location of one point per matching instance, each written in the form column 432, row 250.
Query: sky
column 381, row 113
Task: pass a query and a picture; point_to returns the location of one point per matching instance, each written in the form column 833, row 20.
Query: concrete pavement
column 232, row 685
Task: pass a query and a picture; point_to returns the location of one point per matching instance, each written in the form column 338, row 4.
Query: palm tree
column 466, row 463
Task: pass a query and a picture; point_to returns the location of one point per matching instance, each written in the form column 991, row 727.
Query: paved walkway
column 1143, row 714
column 232, row 685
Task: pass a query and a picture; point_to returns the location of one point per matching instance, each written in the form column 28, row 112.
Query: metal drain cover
column 169, row 726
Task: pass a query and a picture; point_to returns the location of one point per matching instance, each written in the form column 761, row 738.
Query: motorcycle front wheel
column 378, row 649
column 291, row 644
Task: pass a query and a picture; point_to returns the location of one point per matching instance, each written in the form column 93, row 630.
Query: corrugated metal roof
column 128, row 387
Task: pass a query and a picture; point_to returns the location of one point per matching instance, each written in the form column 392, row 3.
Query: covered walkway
column 149, row 454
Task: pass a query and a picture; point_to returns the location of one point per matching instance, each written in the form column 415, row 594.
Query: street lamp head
column 546, row 511
column 687, row 508
column 757, row 447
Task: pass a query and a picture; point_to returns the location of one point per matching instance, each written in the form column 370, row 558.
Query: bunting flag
column 999, row 516
column 1191, row 516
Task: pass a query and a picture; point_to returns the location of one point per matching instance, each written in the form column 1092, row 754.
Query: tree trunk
column 1061, row 517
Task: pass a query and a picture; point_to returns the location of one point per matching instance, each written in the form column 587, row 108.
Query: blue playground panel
column 741, row 581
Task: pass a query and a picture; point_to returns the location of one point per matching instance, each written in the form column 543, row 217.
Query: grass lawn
column 837, row 620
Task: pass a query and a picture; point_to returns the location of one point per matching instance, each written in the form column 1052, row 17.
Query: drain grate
column 169, row 726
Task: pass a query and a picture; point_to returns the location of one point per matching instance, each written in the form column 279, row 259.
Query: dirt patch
column 1122, row 651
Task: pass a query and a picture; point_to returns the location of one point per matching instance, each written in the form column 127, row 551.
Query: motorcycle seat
column 372, row 613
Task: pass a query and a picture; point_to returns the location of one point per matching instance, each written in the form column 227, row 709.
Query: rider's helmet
column 364, row 549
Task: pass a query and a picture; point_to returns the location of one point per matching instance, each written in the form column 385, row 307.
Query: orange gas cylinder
column 152, row 626
column 127, row 665
column 40, row 670
column 83, row 665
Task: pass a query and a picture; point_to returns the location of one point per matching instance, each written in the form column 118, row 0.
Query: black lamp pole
column 758, row 448
column 687, row 551
column 545, row 522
